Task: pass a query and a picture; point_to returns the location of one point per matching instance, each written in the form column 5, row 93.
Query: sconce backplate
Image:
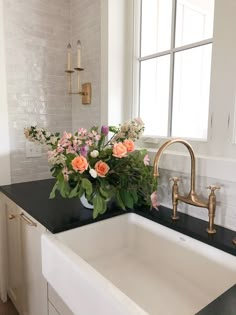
column 86, row 93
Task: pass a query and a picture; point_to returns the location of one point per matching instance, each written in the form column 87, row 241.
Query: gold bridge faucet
column 191, row 198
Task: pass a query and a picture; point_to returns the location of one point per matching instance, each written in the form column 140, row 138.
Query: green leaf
column 53, row 192
column 62, row 189
column 63, row 186
column 81, row 191
column 95, row 213
column 69, row 158
column 134, row 195
column 127, row 198
column 100, row 205
column 101, row 142
column 74, row 192
column 113, row 129
column 104, row 193
column 120, row 201
column 87, row 186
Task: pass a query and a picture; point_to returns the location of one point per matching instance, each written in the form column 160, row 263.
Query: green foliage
column 87, row 186
column 130, row 183
column 100, row 205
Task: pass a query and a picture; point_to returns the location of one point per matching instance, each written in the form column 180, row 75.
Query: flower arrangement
column 86, row 163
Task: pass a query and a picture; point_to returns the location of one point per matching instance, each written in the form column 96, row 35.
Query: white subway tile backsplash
column 36, row 81
column 85, row 23
column 226, row 197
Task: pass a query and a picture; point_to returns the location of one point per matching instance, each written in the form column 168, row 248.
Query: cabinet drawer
column 57, row 302
column 52, row 310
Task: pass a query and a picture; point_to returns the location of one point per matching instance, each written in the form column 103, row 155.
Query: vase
column 85, row 202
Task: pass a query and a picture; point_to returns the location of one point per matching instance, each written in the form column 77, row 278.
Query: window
column 175, row 66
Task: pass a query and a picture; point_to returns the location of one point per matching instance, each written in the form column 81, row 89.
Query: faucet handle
column 213, row 188
column 175, row 179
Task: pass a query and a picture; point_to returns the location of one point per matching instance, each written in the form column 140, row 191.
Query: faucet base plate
column 211, row 231
column 175, row 217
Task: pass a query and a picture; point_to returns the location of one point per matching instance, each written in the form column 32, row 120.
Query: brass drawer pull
column 28, row 220
column 11, row 216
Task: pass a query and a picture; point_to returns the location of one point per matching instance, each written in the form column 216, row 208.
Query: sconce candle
column 78, row 53
column 69, row 57
column 86, row 87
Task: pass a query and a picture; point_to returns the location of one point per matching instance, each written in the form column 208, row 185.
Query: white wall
column 223, row 84
column 4, row 134
column 117, row 60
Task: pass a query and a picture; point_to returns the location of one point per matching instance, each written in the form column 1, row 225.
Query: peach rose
column 101, row 168
column 119, row 150
column 80, row 164
column 129, row 144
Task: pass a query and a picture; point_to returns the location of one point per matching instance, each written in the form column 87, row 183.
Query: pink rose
column 119, row 150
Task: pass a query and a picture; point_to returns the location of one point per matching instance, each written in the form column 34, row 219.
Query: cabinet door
column 52, row 310
column 14, row 255
column 35, row 285
column 57, row 302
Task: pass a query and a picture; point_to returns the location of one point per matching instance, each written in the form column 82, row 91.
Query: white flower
column 94, row 153
column 53, row 140
column 92, row 172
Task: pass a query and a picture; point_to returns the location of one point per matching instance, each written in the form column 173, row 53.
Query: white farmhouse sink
column 129, row 265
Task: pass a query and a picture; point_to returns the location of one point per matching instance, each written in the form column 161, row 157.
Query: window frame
column 171, row 52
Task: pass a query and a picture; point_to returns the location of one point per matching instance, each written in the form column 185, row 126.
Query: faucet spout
column 193, row 163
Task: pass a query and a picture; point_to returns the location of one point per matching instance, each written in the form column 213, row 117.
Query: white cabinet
column 27, row 287
column 14, row 287
column 34, row 284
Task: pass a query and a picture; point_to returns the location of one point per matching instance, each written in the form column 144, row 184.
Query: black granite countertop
column 57, row 214
column 60, row 214
column 225, row 304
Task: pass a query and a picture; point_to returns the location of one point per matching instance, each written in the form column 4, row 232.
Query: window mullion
column 172, row 61
column 178, row 49
column 139, row 54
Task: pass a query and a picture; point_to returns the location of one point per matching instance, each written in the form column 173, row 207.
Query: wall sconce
column 86, row 87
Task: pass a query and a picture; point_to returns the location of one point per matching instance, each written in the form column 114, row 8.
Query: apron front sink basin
column 129, row 265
